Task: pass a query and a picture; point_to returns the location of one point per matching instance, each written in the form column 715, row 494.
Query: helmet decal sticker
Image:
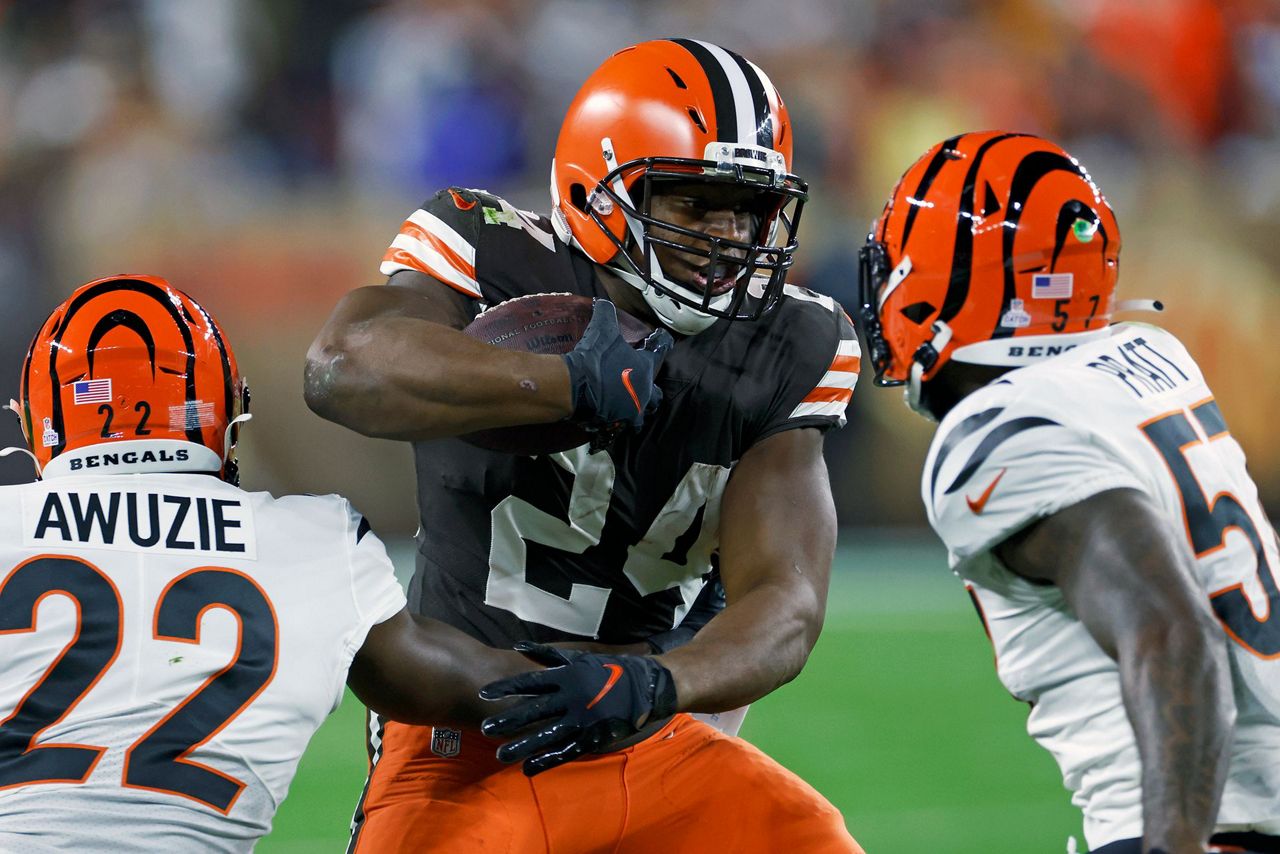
column 91, row 391
column 945, row 153
column 49, row 437
column 191, row 415
column 1016, row 317
column 1051, row 286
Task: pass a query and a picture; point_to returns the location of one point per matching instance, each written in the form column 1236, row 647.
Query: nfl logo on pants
column 445, row 742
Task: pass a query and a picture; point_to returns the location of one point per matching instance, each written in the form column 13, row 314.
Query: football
column 546, row 324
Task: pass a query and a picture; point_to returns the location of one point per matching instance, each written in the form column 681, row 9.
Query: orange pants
column 687, row 788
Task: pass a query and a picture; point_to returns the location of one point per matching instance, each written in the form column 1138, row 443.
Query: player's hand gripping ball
column 613, row 360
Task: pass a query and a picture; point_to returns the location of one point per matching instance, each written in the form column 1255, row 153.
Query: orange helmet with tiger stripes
column 131, row 375
column 678, row 110
column 995, row 249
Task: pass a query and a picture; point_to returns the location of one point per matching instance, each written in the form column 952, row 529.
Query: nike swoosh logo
column 976, row 506
column 626, row 381
column 461, row 203
column 615, row 673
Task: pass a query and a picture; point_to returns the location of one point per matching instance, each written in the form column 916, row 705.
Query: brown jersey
column 615, row 545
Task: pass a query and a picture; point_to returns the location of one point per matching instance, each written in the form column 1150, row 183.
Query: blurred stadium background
column 261, row 153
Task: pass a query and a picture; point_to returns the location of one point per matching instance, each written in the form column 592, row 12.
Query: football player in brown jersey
column 673, row 199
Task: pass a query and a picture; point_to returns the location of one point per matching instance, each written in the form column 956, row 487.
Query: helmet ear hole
column 578, row 196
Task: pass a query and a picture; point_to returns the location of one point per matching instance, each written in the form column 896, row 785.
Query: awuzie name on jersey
column 169, row 522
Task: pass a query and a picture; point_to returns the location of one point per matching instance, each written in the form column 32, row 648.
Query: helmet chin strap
column 928, row 351
column 4, row 452
column 674, row 315
column 227, row 445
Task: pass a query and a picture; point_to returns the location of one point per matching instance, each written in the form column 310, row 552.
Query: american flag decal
column 91, row 391
column 1051, row 285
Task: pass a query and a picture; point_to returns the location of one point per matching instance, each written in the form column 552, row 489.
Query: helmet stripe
column 228, row 381
column 146, row 289
column 926, row 181
column 1029, row 172
column 738, row 93
column 757, row 84
column 962, row 254
column 726, row 117
column 129, row 320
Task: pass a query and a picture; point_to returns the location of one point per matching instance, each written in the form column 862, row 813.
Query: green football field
column 898, row 719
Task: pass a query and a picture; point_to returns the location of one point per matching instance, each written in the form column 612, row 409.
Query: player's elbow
column 337, row 384
column 325, row 379
column 803, row 625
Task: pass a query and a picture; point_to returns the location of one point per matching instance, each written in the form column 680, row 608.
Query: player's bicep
column 358, row 317
column 434, row 301
column 372, row 669
column 1118, row 562
column 778, row 523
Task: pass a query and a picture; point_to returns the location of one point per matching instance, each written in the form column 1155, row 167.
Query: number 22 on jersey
column 157, row 760
column 1209, row 519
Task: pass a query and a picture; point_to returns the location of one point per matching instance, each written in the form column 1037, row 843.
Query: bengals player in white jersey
column 169, row 642
column 1090, row 495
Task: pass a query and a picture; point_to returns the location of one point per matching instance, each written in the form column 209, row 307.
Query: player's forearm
column 1177, row 691
column 409, row 378
column 758, row 643
column 431, row 673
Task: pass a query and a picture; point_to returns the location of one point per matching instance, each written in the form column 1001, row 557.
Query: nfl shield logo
column 445, row 742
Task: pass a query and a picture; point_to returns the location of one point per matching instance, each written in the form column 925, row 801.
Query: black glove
column 611, row 382
column 583, row 702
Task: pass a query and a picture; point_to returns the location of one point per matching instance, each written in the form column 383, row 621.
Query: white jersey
column 168, row 646
column 1127, row 410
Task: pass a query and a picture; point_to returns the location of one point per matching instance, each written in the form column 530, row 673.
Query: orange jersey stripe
column 412, row 229
column 400, row 256
column 822, row 394
column 852, row 364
